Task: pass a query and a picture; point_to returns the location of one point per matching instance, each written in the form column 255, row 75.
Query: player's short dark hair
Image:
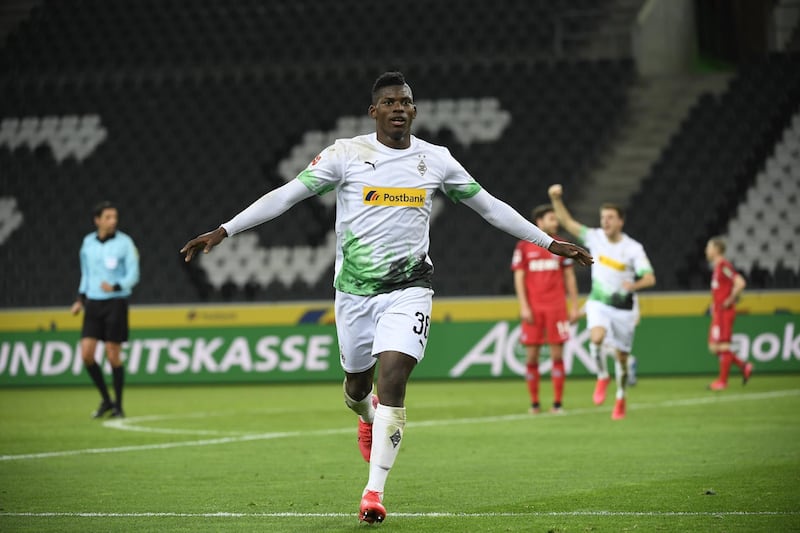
column 719, row 243
column 616, row 207
column 541, row 210
column 387, row 79
column 98, row 209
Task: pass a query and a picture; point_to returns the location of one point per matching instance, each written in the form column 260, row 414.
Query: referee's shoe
column 104, row 407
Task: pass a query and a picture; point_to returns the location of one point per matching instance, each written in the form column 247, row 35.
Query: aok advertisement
column 468, row 339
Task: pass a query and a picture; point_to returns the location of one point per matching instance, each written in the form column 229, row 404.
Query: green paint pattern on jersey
column 618, row 299
column 600, row 293
column 314, row 184
column 360, row 274
column 463, row 192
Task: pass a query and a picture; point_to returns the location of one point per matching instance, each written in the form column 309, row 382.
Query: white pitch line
column 405, row 515
column 181, row 444
column 425, row 423
column 132, row 424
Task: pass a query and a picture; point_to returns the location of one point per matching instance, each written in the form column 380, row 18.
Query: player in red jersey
column 726, row 286
column 542, row 280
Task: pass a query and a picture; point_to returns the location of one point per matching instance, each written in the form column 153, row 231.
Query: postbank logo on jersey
column 612, row 263
column 394, row 196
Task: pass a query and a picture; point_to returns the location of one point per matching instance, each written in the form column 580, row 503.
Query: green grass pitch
column 284, row 458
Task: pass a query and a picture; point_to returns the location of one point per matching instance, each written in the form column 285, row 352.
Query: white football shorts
column 368, row 325
column 620, row 324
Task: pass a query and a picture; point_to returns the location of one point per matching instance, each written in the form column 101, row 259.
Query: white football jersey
column 614, row 263
column 383, row 208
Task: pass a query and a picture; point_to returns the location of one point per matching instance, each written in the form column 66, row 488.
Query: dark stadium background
column 201, row 99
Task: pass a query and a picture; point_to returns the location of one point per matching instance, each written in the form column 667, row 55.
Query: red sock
column 725, row 360
column 557, row 377
column 735, row 360
column 532, row 377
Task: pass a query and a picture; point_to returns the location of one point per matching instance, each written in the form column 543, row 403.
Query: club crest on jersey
column 394, row 196
column 421, row 167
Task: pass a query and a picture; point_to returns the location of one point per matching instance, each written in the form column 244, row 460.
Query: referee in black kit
column 109, row 271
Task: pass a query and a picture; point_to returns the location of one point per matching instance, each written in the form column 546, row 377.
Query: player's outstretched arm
column 269, row 206
column 556, row 192
column 502, row 216
column 567, row 249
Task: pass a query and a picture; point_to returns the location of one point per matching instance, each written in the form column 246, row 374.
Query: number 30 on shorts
column 421, row 328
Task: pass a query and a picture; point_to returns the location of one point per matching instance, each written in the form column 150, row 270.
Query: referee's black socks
column 118, row 374
column 97, row 377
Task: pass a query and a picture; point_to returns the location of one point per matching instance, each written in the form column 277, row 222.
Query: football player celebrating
column 384, row 184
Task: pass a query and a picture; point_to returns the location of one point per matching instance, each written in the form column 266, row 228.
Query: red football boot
column 600, row 391
column 619, row 410
column 372, row 510
column 718, row 385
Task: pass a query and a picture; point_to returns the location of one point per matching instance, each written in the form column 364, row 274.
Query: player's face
column 711, row 252
column 107, row 221
column 611, row 222
column 394, row 111
column 548, row 223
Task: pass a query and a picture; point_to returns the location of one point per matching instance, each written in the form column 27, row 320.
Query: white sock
column 621, row 373
column 387, row 434
column 362, row 407
column 600, row 359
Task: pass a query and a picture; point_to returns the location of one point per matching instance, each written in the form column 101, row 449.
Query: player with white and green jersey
column 384, row 198
column 621, row 268
column 384, row 184
column 617, row 264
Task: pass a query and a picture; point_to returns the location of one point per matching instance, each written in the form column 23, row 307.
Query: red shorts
column 552, row 322
column 721, row 325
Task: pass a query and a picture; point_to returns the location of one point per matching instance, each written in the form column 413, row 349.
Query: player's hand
column 107, row 287
column 567, row 249
column 555, row 192
column 525, row 315
column 204, row 242
column 628, row 286
column 76, row 307
column 574, row 316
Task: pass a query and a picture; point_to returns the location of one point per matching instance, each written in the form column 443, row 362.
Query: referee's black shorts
column 106, row 320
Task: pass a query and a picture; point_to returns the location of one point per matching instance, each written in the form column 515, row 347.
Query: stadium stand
column 706, row 171
column 185, row 155
column 766, row 230
column 182, row 112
